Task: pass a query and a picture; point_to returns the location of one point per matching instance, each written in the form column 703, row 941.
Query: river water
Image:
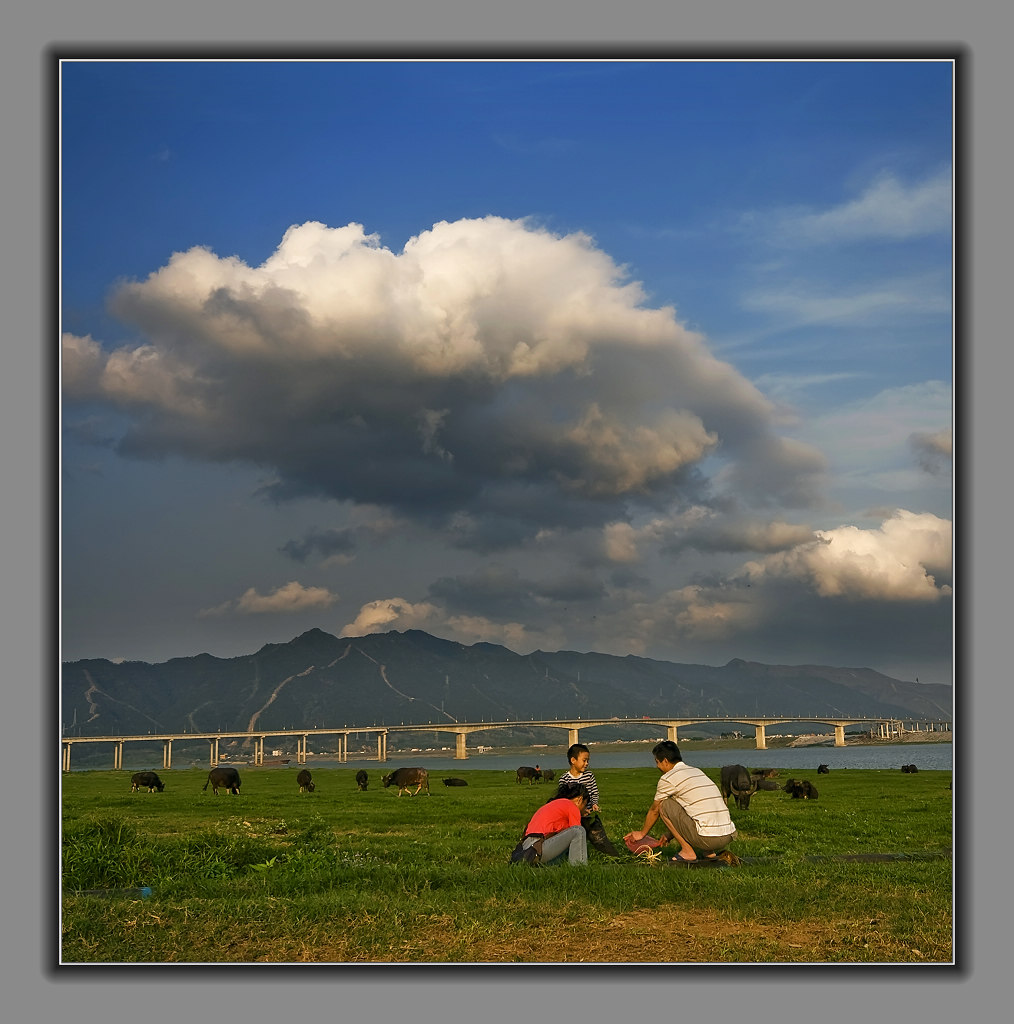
column 925, row 756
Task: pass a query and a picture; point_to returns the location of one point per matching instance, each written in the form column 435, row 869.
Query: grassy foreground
column 340, row 876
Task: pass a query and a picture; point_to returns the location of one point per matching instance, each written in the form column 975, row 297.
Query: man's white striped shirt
column 700, row 797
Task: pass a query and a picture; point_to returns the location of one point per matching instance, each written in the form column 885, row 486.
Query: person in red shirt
column 558, row 824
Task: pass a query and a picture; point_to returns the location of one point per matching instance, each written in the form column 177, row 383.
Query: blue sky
column 646, row 357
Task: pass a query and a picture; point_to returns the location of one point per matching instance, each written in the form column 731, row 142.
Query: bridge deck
column 885, row 726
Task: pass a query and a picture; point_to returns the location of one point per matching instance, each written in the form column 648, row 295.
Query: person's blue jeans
column 573, row 841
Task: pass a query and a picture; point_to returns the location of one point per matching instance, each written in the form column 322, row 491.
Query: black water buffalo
column 223, row 777
column 737, row 782
column 763, row 783
column 149, row 780
column 305, row 781
column 909, row 768
column 531, row 774
column 800, row 789
column 455, row 782
column 362, row 780
column 822, row 769
column 548, row 774
column 765, row 773
column 406, row 778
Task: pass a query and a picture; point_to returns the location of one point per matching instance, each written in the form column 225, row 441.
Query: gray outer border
column 885, row 27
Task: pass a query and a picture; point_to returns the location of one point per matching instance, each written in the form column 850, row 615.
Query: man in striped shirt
column 690, row 805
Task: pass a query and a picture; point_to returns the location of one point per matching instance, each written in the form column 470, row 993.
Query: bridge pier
column 672, row 734
column 571, row 737
column 839, row 735
column 382, row 746
column 213, row 752
column 460, row 753
column 760, row 737
column 167, row 754
column 66, row 757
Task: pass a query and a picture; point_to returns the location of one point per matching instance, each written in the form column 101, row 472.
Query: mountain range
column 411, row 677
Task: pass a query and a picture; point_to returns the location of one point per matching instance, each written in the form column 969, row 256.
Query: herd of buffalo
column 736, row 781
column 227, row 777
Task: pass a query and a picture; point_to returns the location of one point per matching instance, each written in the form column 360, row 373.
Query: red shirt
column 554, row 817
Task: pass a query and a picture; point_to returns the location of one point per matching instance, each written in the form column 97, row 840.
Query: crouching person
column 691, row 808
column 555, row 830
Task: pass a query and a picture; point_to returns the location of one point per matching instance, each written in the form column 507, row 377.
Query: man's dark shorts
column 675, row 817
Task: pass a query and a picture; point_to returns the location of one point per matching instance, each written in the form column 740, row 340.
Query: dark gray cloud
column 882, row 585
column 788, row 625
column 933, row 452
column 845, row 596
column 502, row 594
column 94, row 431
column 735, row 536
column 325, row 543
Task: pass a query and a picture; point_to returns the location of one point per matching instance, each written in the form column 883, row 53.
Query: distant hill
column 320, row 680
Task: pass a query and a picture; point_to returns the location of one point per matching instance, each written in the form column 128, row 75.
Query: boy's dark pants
column 597, row 836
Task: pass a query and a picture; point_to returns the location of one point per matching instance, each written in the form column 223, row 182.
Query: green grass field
column 340, row 876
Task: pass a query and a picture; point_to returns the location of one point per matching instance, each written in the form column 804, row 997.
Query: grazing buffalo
column 406, row 778
column 909, row 768
column 223, row 777
column 306, row 783
column 822, row 769
column 455, row 782
column 763, row 783
column 548, row 774
column 149, row 780
column 531, row 774
column 362, row 780
column 737, row 782
column 800, row 789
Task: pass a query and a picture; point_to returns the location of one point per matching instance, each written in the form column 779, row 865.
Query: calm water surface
column 891, row 756
column 925, row 756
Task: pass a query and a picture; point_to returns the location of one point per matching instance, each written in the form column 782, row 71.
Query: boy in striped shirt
column 578, row 756
column 690, row 805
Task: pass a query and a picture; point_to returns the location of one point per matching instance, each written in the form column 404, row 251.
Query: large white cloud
column 899, row 561
column 490, row 369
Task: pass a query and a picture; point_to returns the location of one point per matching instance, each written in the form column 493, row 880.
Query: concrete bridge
column 214, row 740
column 884, row 728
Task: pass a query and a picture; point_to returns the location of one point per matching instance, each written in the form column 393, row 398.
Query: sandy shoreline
column 867, row 741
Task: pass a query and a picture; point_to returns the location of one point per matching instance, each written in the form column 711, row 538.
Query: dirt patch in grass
column 663, row 935
column 672, row 935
